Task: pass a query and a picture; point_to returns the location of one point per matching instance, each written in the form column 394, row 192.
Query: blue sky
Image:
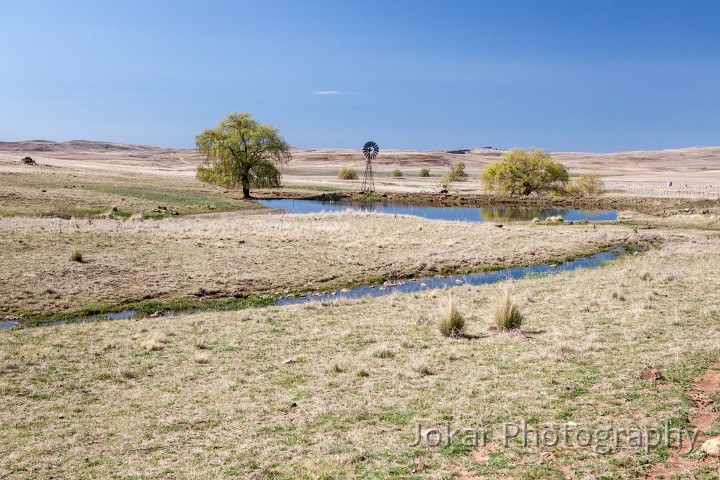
column 560, row 75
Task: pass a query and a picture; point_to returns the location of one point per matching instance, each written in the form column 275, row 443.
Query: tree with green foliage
column 522, row 172
column 585, row 184
column 456, row 174
column 396, row 173
column 242, row 153
column 347, row 174
column 424, row 172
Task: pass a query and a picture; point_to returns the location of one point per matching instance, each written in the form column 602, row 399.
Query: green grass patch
column 144, row 308
column 167, row 196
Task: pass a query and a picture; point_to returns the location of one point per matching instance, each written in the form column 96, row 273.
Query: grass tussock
column 452, row 321
column 76, row 256
column 422, row 368
column 154, row 342
column 383, row 352
column 201, row 357
column 507, row 314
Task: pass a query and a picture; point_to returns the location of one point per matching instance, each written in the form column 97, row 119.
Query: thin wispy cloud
column 328, row 92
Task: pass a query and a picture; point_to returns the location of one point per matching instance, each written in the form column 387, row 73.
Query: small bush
column 452, row 321
column 424, row 172
column 456, row 174
column 76, row 257
column 347, row 174
column 507, row 314
column 586, row 184
column 396, row 173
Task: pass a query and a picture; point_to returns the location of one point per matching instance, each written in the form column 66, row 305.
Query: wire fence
column 663, row 189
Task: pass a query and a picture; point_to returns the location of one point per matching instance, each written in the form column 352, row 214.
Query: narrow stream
column 402, row 286
column 441, row 281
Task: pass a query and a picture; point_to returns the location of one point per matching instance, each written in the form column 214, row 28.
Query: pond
column 467, row 214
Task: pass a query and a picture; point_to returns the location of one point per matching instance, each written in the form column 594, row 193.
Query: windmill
column 370, row 150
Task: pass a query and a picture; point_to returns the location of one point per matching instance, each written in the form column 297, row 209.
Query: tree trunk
column 245, row 182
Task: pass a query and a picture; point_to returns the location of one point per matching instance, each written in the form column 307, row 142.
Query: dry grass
column 452, row 321
column 330, row 390
column 58, row 188
column 131, row 260
column 507, row 314
column 246, row 413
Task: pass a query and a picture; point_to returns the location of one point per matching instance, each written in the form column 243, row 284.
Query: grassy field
column 52, row 190
column 335, row 390
column 129, row 261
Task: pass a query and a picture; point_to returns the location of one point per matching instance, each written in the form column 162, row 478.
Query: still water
column 467, row 214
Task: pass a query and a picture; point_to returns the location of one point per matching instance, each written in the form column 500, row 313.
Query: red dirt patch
column 703, row 387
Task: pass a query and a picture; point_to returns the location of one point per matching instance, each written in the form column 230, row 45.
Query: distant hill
column 693, row 159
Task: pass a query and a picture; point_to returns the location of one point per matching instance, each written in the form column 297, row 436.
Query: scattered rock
column 156, row 314
column 290, row 361
column 712, row 447
column 650, row 373
column 28, row 161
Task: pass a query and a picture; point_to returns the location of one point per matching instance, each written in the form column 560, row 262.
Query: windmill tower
column 370, row 151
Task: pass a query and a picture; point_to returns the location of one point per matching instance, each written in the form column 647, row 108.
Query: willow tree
column 241, row 153
column 522, row 172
